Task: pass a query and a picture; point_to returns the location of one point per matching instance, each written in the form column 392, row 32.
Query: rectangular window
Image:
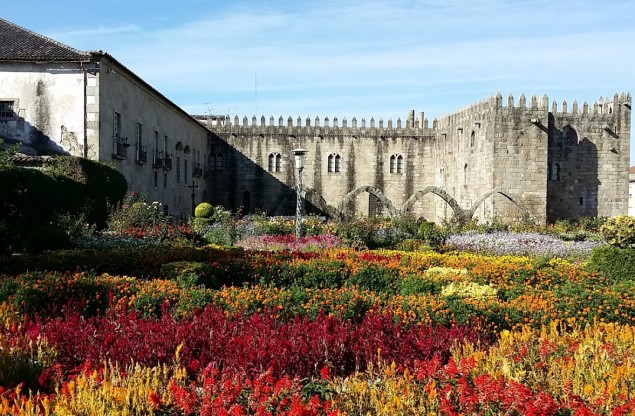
column 185, row 170
column 138, row 134
column 178, row 169
column 119, row 144
column 156, row 140
column 6, row 109
column 165, row 145
column 142, row 151
column 156, row 178
column 165, row 180
column 116, row 126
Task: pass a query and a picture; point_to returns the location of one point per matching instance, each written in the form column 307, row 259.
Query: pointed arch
column 407, row 206
column 341, row 207
column 515, row 200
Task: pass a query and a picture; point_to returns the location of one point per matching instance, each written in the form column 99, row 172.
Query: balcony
column 120, row 148
column 142, row 154
column 157, row 161
column 167, row 162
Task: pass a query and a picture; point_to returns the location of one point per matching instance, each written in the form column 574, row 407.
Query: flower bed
column 521, row 244
column 342, row 331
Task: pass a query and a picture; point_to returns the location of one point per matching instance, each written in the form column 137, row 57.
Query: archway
column 526, row 215
column 341, row 209
column 456, row 208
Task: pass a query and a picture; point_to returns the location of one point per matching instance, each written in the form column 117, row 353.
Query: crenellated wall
column 494, row 158
column 589, row 157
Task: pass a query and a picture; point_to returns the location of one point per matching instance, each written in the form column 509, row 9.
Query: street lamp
column 193, row 187
column 299, row 166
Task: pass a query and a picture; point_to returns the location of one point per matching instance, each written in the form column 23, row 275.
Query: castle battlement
column 600, row 106
column 319, row 127
column 413, row 125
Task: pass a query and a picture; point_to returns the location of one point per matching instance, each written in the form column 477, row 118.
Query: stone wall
column 589, row 153
column 488, row 160
column 165, row 130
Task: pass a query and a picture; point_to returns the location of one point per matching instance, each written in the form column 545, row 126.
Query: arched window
column 472, row 136
column 272, row 162
column 334, row 163
column 275, row 162
column 396, row 164
column 465, row 174
column 278, row 162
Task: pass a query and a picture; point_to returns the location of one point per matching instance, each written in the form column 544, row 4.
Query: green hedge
column 30, row 199
column 103, row 185
column 614, row 262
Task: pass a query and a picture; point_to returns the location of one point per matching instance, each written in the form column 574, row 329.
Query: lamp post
column 299, row 166
column 193, row 187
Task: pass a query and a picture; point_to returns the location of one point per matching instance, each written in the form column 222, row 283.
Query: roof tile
column 20, row 44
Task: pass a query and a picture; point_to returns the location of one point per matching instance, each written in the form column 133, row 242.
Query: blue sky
column 352, row 58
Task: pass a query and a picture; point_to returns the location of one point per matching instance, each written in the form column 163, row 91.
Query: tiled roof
column 20, row 44
column 631, row 169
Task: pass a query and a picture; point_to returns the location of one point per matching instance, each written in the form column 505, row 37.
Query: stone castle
column 499, row 158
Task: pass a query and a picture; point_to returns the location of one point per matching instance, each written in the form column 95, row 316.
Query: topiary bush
column 619, row 231
column 204, row 210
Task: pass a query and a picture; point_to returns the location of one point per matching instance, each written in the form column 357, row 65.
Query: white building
column 56, row 99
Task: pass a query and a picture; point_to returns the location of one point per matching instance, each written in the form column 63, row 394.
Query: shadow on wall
column 16, row 130
column 238, row 183
column 572, row 183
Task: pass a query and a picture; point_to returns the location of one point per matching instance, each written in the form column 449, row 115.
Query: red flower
column 154, row 398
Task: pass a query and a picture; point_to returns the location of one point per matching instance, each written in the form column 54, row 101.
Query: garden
column 234, row 315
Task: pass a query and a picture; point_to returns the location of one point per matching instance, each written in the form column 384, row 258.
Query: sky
column 372, row 58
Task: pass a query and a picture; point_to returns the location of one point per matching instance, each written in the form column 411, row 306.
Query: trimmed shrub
column 103, row 185
column 619, row 231
column 69, row 187
column 23, row 195
column 204, row 210
column 617, row 263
